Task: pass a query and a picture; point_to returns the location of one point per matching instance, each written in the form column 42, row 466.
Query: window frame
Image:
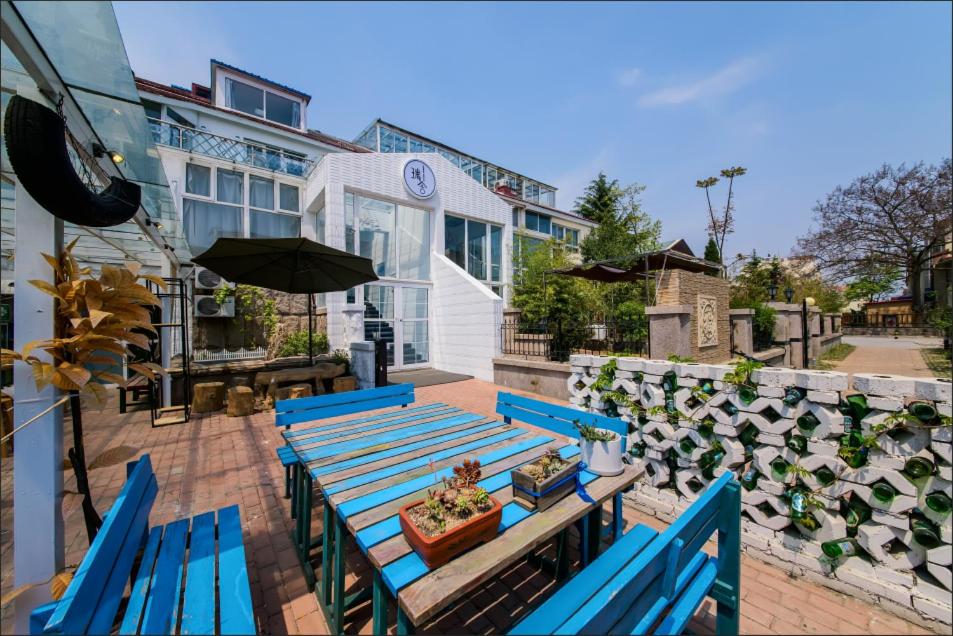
column 229, row 78
column 355, row 248
column 488, row 250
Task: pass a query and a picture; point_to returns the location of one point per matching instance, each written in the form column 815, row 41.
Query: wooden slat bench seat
column 653, row 583
column 138, row 386
column 206, row 552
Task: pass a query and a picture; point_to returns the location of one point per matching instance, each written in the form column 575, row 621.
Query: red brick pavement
column 215, row 461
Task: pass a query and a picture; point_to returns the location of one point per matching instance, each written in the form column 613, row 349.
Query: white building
column 241, row 161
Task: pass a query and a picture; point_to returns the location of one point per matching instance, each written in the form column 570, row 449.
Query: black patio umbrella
column 292, row 265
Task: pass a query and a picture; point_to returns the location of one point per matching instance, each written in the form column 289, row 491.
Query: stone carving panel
column 707, row 321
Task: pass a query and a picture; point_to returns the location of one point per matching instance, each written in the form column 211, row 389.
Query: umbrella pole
column 310, row 328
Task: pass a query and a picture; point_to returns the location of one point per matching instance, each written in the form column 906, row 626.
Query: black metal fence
column 884, row 320
column 556, row 340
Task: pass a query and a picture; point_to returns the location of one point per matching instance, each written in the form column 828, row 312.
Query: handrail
column 167, row 133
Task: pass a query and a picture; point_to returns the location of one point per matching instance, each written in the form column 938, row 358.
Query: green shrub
column 296, row 344
column 763, row 326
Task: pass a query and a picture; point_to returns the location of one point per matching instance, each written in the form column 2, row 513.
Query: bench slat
column 556, row 418
column 198, row 608
column 75, row 609
column 348, row 397
column 140, row 585
column 163, row 602
column 237, row 615
column 105, row 614
column 304, row 444
column 695, row 584
column 294, row 434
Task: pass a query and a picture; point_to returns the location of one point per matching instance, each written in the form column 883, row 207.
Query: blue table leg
column 404, row 626
column 380, row 604
column 617, row 519
column 340, row 539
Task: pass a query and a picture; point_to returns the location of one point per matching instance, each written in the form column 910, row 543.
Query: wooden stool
column 293, row 392
column 208, row 397
column 241, row 401
column 345, row 383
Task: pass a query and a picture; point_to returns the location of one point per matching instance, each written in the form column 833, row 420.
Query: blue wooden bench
column 653, row 583
column 561, row 420
column 210, row 557
column 299, row 410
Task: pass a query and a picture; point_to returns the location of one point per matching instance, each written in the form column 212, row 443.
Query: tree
column 600, row 200
column 624, row 230
column 722, row 223
column 711, row 253
column 892, row 216
column 875, row 283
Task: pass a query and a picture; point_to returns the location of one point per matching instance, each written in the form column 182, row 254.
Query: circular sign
column 419, row 179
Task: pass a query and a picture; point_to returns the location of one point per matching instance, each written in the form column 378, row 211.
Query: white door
column 399, row 315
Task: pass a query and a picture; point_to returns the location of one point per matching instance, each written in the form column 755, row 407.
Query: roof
column 519, row 201
column 264, row 80
column 676, row 255
column 179, row 93
column 452, row 149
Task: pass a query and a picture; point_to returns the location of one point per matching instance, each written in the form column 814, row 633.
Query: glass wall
column 395, row 237
column 476, row 247
column 260, row 103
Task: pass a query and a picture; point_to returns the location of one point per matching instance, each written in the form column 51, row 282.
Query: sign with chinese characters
column 707, row 321
column 419, row 179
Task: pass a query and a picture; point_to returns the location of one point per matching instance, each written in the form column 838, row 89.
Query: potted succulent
column 541, row 483
column 601, row 450
column 451, row 519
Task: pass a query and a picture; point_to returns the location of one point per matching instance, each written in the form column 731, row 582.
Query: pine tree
column 712, row 254
column 600, row 200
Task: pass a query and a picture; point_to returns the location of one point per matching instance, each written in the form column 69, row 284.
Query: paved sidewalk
column 215, row 460
column 886, row 355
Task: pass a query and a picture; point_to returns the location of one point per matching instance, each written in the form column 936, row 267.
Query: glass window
column 229, row 186
column 198, row 180
column 413, row 236
column 288, row 197
column 349, row 244
column 451, row 157
column 261, row 193
column 516, row 218
column 369, row 138
column 454, row 239
column 282, row 110
column 271, row 225
column 547, row 197
column 245, row 98
column 320, row 221
column 531, row 192
column 418, row 146
column 496, row 252
column 205, row 221
column 476, row 171
column 476, row 249
column 537, row 222
column 153, row 109
column 376, row 221
column 387, row 140
column 400, row 143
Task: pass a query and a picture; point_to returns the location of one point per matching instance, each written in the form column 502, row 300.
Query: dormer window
column 261, row 103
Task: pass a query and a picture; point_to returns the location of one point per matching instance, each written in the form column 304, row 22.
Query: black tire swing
column 36, row 144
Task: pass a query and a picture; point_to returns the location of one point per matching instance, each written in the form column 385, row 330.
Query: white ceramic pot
column 602, row 458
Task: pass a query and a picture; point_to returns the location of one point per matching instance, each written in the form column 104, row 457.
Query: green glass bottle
column 779, row 468
column 746, row 394
column 708, row 470
column 729, row 408
column 708, row 388
column 669, row 382
column 858, row 406
column 846, row 547
column 939, row 502
column 797, row 443
column 808, row 422
column 808, row 522
column 793, row 395
column 917, row 467
column 925, row 531
column 749, row 480
column 749, row 436
column 706, row 428
column 852, row 441
column 638, row 449
column 798, row 501
column 825, row 476
column 669, row 404
column 855, row 513
column 687, row 445
column 923, row 411
column 883, row 492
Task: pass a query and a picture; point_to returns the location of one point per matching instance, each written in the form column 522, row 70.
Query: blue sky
column 805, row 96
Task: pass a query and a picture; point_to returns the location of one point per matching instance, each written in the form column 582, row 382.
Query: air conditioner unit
column 207, row 307
column 207, row 279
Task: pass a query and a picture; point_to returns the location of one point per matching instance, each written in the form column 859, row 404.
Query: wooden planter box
column 345, row 383
column 435, row 551
column 543, row 502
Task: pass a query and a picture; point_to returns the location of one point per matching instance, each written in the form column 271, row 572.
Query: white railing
column 224, row 355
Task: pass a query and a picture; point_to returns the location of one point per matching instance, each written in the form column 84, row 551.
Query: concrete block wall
column 892, row 567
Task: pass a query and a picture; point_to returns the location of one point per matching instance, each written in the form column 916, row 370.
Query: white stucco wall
column 465, row 324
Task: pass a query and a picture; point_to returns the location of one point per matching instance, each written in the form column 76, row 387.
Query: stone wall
column 233, row 333
column 689, row 425
column 704, row 303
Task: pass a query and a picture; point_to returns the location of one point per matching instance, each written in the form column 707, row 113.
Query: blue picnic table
column 365, row 468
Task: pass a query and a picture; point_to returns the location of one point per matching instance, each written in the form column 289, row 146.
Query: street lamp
column 789, row 294
column 772, row 292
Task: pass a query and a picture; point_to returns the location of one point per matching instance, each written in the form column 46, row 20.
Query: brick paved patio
column 214, row 460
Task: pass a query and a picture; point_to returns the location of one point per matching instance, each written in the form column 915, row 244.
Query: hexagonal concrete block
column 870, row 474
column 943, row 450
column 580, row 360
column 719, row 371
column 651, row 395
column 833, row 526
column 891, row 547
column 656, row 472
column 821, row 380
column 933, row 389
column 692, row 370
column 812, row 463
column 824, row 397
column 942, row 574
column 884, row 385
column 771, row 391
column 891, row 404
column 631, row 364
column 863, row 575
column 822, row 447
column 903, row 442
column 775, row 522
column 941, row 555
column 774, row 377
column 659, row 367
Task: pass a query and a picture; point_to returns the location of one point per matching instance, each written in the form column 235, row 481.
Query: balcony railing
column 167, row 133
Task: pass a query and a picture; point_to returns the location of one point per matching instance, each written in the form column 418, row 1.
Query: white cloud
column 630, row 77
column 722, row 82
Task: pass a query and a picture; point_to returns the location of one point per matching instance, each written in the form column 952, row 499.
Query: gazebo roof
column 676, row 255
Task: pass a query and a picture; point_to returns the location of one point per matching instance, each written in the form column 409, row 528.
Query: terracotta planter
column 437, row 550
column 542, row 502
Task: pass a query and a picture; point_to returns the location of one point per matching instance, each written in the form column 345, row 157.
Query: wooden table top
column 370, row 466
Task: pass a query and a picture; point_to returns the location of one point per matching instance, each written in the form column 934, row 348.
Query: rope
column 580, row 488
